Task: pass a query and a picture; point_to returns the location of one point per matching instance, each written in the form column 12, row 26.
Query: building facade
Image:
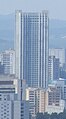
column 56, row 102
column 31, row 48
column 11, row 105
column 21, row 109
column 7, row 96
column 1, row 68
column 59, row 53
column 38, row 100
column 7, row 58
column 53, row 67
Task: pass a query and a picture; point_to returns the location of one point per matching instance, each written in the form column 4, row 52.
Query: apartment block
column 38, row 99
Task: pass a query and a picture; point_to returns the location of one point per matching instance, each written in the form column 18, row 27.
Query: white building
column 6, row 110
column 56, row 109
column 8, row 93
column 11, row 107
column 7, row 58
column 21, row 110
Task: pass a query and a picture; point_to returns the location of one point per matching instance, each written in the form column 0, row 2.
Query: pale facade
column 37, row 100
column 7, row 58
column 59, row 53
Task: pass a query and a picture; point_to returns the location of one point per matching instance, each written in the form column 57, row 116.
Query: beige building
column 38, row 99
column 52, row 100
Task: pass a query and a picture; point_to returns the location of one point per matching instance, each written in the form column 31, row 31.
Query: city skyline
column 35, row 76
column 32, row 67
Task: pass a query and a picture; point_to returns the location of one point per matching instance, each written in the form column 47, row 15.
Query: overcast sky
column 56, row 8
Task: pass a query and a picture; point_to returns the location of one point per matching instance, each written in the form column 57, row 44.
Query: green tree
column 64, row 114
column 60, row 115
column 39, row 116
column 46, row 115
column 54, row 116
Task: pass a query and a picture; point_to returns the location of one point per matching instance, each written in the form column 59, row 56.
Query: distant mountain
column 7, row 31
column 57, row 32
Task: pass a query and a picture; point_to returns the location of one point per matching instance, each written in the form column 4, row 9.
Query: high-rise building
column 53, row 68
column 8, row 94
column 59, row 53
column 11, row 107
column 1, row 68
column 31, row 48
column 21, row 109
column 7, row 58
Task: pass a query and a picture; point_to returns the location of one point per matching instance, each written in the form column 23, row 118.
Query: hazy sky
column 57, row 8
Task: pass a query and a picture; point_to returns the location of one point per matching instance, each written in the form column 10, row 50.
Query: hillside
column 57, row 32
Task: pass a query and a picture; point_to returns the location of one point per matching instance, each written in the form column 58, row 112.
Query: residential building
column 56, row 109
column 31, row 48
column 56, row 102
column 38, row 99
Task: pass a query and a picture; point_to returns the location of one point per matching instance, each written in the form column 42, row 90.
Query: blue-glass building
column 31, row 47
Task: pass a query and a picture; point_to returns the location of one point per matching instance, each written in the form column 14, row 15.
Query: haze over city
column 57, row 16
column 32, row 59
column 56, row 8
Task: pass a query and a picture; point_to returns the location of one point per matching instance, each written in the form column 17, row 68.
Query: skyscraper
column 32, row 48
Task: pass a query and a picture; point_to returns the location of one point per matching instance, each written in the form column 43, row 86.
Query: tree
column 54, row 116
column 64, row 114
column 46, row 115
column 39, row 116
column 60, row 115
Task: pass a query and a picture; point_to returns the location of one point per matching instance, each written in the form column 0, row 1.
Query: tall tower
column 53, row 68
column 32, row 48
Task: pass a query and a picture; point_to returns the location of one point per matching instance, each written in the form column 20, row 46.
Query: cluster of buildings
column 11, row 107
column 32, row 76
column 7, row 62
